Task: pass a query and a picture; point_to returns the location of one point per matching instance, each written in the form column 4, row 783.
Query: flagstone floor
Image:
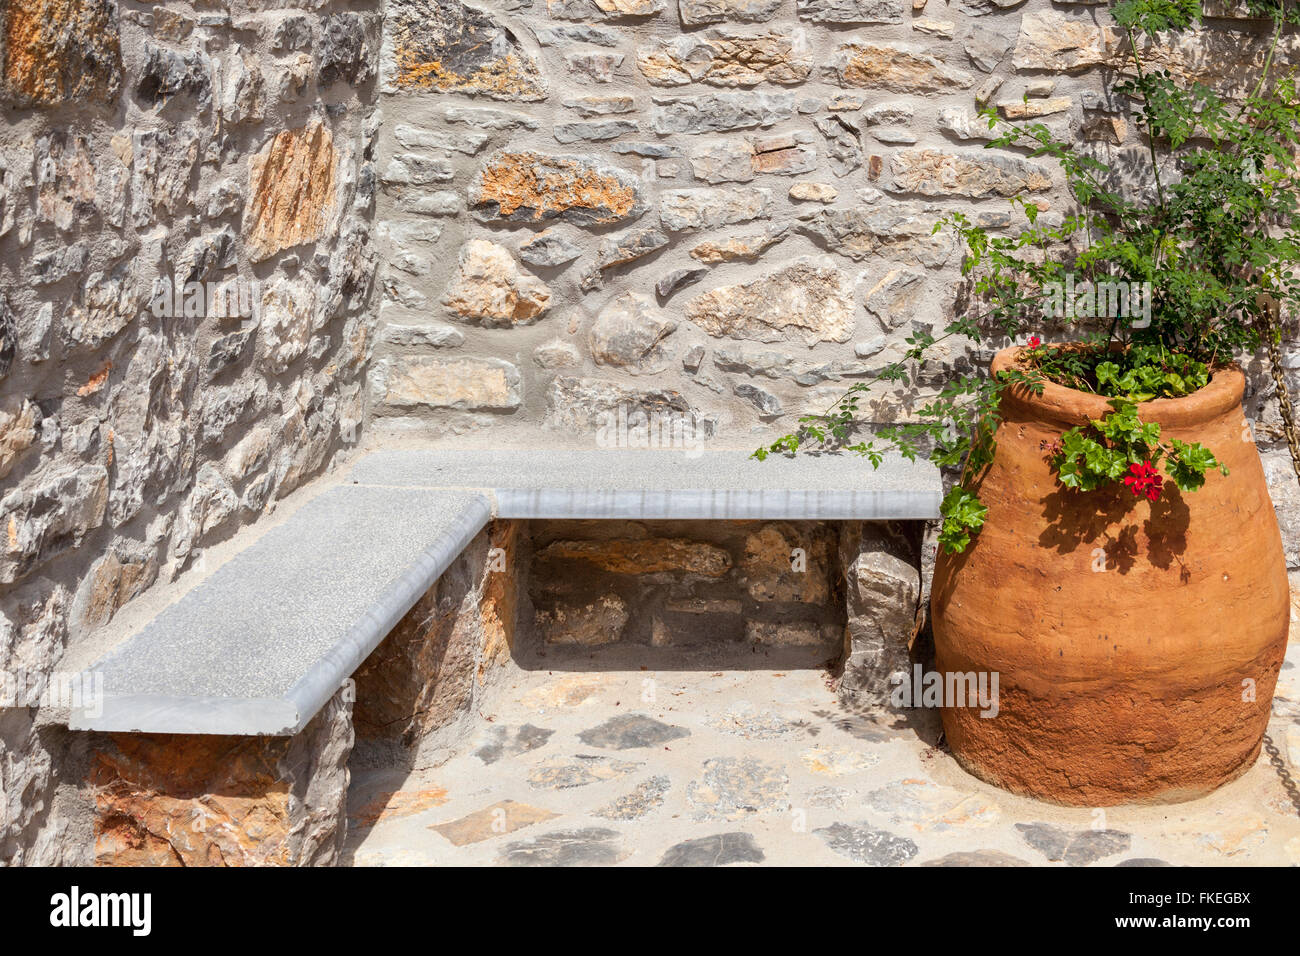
column 765, row 767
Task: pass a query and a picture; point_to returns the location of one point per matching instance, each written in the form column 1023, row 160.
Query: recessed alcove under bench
column 381, row 608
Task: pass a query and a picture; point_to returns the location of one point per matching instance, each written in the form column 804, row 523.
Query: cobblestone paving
column 765, row 767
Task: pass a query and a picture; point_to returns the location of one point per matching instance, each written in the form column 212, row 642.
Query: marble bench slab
column 260, row 645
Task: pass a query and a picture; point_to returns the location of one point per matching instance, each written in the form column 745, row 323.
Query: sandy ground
column 765, row 767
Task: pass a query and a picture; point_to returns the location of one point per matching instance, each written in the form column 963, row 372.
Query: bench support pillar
column 196, row 800
column 882, row 571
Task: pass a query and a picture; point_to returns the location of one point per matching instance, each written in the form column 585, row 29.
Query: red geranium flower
column 1143, row 480
column 1034, row 341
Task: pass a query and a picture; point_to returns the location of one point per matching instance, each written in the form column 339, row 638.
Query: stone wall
column 719, row 208
column 183, row 800
column 671, row 594
column 225, row 144
column 421, row 687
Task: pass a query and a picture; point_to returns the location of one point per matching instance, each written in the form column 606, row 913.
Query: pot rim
column 1074, row 407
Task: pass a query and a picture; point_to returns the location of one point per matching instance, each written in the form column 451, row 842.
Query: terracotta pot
column 1128, row 636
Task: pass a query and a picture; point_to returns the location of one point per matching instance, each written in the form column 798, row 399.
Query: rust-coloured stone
column 180, row 800
column 291, row 190
column 394, row 804
column 1137, row 644
column 198, row 800
column 786, row 563
column 534, row 187
column 62, row 51
column 445, row 46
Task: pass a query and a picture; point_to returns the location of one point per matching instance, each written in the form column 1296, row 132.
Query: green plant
column 1121, row 447
column 1209, row 237
column 1138, row 373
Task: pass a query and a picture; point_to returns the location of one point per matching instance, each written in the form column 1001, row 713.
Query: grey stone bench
column 260, row 645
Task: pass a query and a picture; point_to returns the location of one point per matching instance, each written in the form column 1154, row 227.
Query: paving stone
column 863, row 843
column 511, row 741
column 586, row 769
column 392, row 804
column 645, row 797
column 227, row 678
column 589, row 846
column 976, row 858
column 566, row 693
column 743, row 720
column 1143, row 861
column 926, row 806
column 629, row 731
column 1229, row 837
column 507, row 816
column 734, row 787
column 717, row 850
column 1077, row 848
column 838, row 763
column 828, row 798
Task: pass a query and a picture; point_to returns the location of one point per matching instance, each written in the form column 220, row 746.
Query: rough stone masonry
column 722, row 210
column 437, row 218
column 210, row 146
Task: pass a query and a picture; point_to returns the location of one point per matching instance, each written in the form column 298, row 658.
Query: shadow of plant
column 1078, row 519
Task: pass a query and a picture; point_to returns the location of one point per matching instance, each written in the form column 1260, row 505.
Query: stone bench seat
column 262, row 643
